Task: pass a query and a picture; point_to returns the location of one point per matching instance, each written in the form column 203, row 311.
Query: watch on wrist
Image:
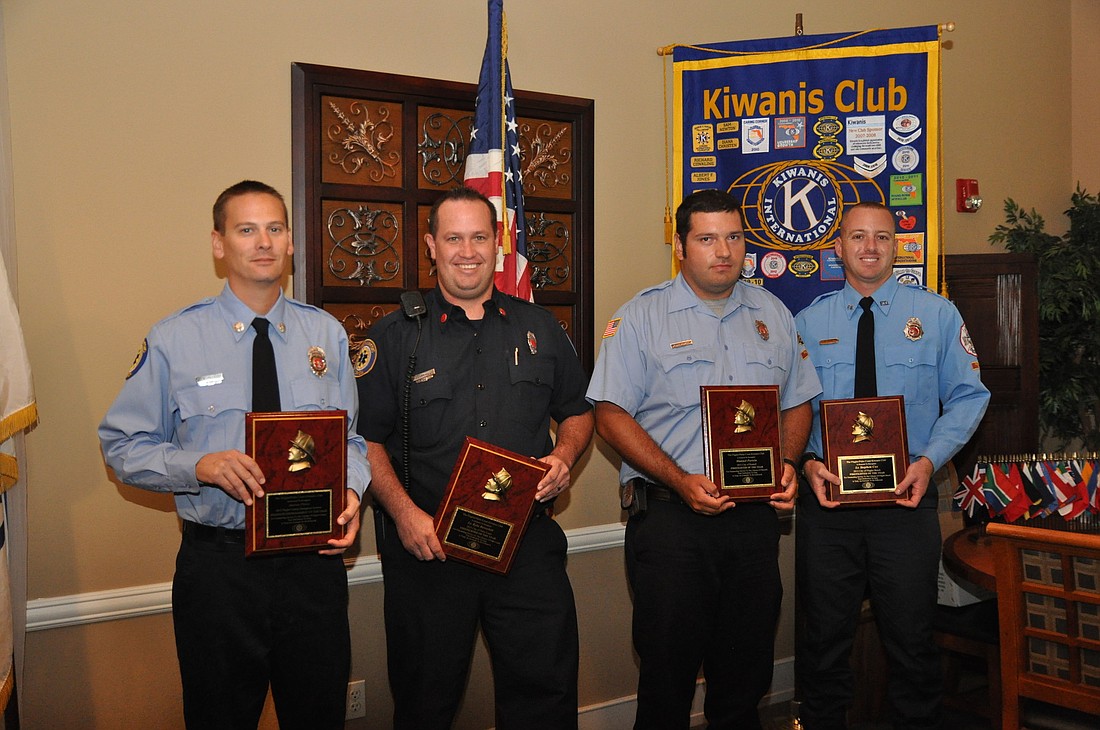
column 807, row 457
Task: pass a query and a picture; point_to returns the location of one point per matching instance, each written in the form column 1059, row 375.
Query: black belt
column 659, row 492
column 209, row 533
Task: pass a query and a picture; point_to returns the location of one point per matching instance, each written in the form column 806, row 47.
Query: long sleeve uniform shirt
column 922, row 352
column 190, row 386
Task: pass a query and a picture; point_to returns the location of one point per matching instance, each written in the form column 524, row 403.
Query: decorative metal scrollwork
column 546, row 162
column 363, row 144
column 547, row 246
column 363, row 241
column 356, row 326
column 442, row 148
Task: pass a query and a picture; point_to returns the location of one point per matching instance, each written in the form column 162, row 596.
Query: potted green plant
column 1069, row 316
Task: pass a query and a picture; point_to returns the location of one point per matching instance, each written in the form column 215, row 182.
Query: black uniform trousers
column 241, row 624
column 892, row 554
column 707, row 592
column 528, row 617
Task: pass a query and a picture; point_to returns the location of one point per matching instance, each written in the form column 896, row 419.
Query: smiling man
column 921, row 350
column 499, row 369
column 704, row 571
column 178, row 426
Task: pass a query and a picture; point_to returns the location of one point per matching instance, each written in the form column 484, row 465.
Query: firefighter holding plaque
column 877, row 343
column 476, row 363
column 702, row 561
column 178, row 426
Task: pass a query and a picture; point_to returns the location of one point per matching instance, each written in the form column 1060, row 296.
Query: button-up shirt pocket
column 313, row 394
column 681, row 371
column 203, row 413
column 836, row 368
column 532, row 381
column 911, row 370
column 428, row 406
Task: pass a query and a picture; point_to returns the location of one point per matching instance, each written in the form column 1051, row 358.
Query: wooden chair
column 1048, row 596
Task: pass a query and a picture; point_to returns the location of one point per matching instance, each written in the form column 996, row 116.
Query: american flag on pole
column 18, row 412
column 492, row 161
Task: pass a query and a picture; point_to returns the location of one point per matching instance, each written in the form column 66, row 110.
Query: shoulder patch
column 139, row 359
column 966, row 342
column 612, row 327
column 364, row 354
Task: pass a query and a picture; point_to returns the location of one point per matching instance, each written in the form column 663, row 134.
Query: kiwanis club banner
column 802, row 128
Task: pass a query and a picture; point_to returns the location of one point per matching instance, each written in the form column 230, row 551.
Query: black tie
column 265, row 378
column 866, row 383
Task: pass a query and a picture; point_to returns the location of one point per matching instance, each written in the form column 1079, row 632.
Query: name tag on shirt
column 212, row 379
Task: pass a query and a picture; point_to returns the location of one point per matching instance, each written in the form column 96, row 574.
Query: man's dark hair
column 704, row 201
column 244, row 187
column 459, row 193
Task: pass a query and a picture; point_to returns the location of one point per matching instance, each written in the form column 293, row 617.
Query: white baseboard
column 619, row 713
column 123, row 603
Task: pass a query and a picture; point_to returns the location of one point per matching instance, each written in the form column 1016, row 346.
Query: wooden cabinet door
column 997, row 295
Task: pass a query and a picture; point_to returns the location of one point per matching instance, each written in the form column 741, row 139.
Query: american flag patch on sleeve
column 612, row 328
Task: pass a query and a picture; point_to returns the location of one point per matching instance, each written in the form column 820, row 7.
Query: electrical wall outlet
column 357, row 700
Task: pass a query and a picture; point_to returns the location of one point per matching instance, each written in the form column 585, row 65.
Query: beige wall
column 1085, row 93
column 129, row 116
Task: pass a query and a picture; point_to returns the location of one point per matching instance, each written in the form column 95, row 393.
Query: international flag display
column 493, row 158
column 1029, row 487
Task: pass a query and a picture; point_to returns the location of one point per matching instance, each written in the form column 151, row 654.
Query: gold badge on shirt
column 317, row 362
column 762, row 330
column 914, row 330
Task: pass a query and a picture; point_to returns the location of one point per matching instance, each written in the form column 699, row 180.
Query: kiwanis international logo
column 796, row 205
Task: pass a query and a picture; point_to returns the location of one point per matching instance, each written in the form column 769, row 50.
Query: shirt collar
column 238, row 316
column 883, row 296
column 684, row 297
column 443, row 312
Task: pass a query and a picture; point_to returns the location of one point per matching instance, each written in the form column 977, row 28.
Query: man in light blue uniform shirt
column 703, row 570
column 924, row 353
column 178, row 426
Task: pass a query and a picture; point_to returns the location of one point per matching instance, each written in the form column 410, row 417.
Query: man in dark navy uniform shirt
column 499, row 369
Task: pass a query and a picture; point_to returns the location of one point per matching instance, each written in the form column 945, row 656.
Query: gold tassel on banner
column 673, row 264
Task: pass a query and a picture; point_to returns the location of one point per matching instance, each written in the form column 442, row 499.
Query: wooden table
column 968, row 553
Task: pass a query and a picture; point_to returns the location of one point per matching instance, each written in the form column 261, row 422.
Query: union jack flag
column 492, row 163
column 969, row 495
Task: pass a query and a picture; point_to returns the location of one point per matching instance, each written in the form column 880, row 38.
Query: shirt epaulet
column 194, row 307
column 823, row 297
column 655, row 288
column 303, row 305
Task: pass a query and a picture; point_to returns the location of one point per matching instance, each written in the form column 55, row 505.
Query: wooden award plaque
column 304, row 458
column 741, row 439
column 866, row 445
column 487, row 505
